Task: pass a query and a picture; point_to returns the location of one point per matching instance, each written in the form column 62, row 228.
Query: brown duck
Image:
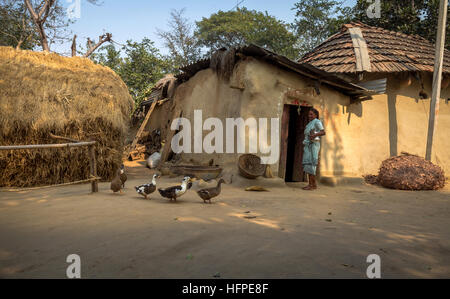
column 208, row 193
column 123, row 176
column 116, row 183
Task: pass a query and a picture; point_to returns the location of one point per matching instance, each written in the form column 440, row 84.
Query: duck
column 147, row 189
column 116, row 183
column 123, row 176
column 209, row 193
column 176, row 191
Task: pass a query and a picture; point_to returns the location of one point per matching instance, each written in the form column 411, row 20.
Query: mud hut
column 43, row 93
column 151, row 124
column 252, row 82
column 394, row 121
column 162, row 93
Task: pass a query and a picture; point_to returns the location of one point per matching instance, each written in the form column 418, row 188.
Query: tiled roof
column 389, row 52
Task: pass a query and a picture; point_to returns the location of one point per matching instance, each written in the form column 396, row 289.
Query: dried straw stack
column 43, row 93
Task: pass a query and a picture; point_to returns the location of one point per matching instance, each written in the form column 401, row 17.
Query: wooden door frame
column 285, row 120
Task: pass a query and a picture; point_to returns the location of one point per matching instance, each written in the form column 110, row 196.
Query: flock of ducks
column 172, row 193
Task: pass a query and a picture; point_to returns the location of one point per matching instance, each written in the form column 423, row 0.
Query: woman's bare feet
column 309, row 188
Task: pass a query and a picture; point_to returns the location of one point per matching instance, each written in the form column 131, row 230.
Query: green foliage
column 316, row 20
column 108, row 56
column 140, row 67
column 236, row 28
column 408, row 16
column 16, row 28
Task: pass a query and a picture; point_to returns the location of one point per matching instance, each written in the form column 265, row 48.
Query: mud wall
column 359, row 135
column 256, row 89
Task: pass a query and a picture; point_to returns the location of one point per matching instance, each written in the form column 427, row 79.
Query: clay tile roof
column 388, row 51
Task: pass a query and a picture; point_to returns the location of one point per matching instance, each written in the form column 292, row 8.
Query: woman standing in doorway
column 311, row 147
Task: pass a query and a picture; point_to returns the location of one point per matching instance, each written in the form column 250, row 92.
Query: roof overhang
column 304, row 69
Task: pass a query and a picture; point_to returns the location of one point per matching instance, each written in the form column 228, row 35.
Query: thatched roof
column 160, row 90
column 388, row 52
column 45, row 93
column 223, row 61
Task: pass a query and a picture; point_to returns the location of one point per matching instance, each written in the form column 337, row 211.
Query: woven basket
column 250, row 166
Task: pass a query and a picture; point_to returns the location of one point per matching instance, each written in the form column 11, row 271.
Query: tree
column 49, row 17
column 240, row 27
column 16, row 28
column 180, row 40
column 139, row 64
column 408, row 16
column 109, row 56
column 316, row 20
column 141, row 68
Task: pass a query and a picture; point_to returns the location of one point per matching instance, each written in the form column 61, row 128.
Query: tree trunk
column 39, row 20
column 44, row 40
column 74, row 46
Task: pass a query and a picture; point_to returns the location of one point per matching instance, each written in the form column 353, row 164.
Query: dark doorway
column 292, row 135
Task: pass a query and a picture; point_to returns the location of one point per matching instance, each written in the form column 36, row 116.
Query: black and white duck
column 116, row 183
column 174, row 192
column 123, row 176
column 147, row 189
column 209, row 193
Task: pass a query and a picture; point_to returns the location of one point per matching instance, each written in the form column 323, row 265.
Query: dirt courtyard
column 284, row 233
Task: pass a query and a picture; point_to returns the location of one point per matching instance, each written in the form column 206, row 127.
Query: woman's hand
column 313, row 135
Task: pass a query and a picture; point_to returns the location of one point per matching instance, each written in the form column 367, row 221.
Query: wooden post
column 167, row 150
column 93, row 167
column 437, row 77
column 143, row 125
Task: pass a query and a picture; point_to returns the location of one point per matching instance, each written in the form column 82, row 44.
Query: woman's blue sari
column 311, row 148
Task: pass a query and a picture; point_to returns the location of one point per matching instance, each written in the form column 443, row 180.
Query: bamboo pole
column 63, row 138
column 143, row 125
column 92, row 160
column 93, row 167
column 49, row 186
column 437, row 77
column 43, row 146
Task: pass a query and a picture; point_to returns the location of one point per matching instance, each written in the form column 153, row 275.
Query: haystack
column 410, row 172
column 43, row 93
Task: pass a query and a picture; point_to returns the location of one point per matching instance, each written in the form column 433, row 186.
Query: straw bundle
column 43, row 93
column 223, row 62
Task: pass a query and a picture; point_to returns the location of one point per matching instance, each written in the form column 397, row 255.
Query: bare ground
column 288, row 232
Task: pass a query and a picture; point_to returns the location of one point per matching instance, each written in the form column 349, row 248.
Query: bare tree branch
column 48, row 5
column 31, row 10
column 101, row 40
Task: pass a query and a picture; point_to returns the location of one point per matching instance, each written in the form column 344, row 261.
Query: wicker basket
column 250, row 166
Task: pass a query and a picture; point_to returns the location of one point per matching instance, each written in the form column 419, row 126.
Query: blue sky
column 135, row 19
